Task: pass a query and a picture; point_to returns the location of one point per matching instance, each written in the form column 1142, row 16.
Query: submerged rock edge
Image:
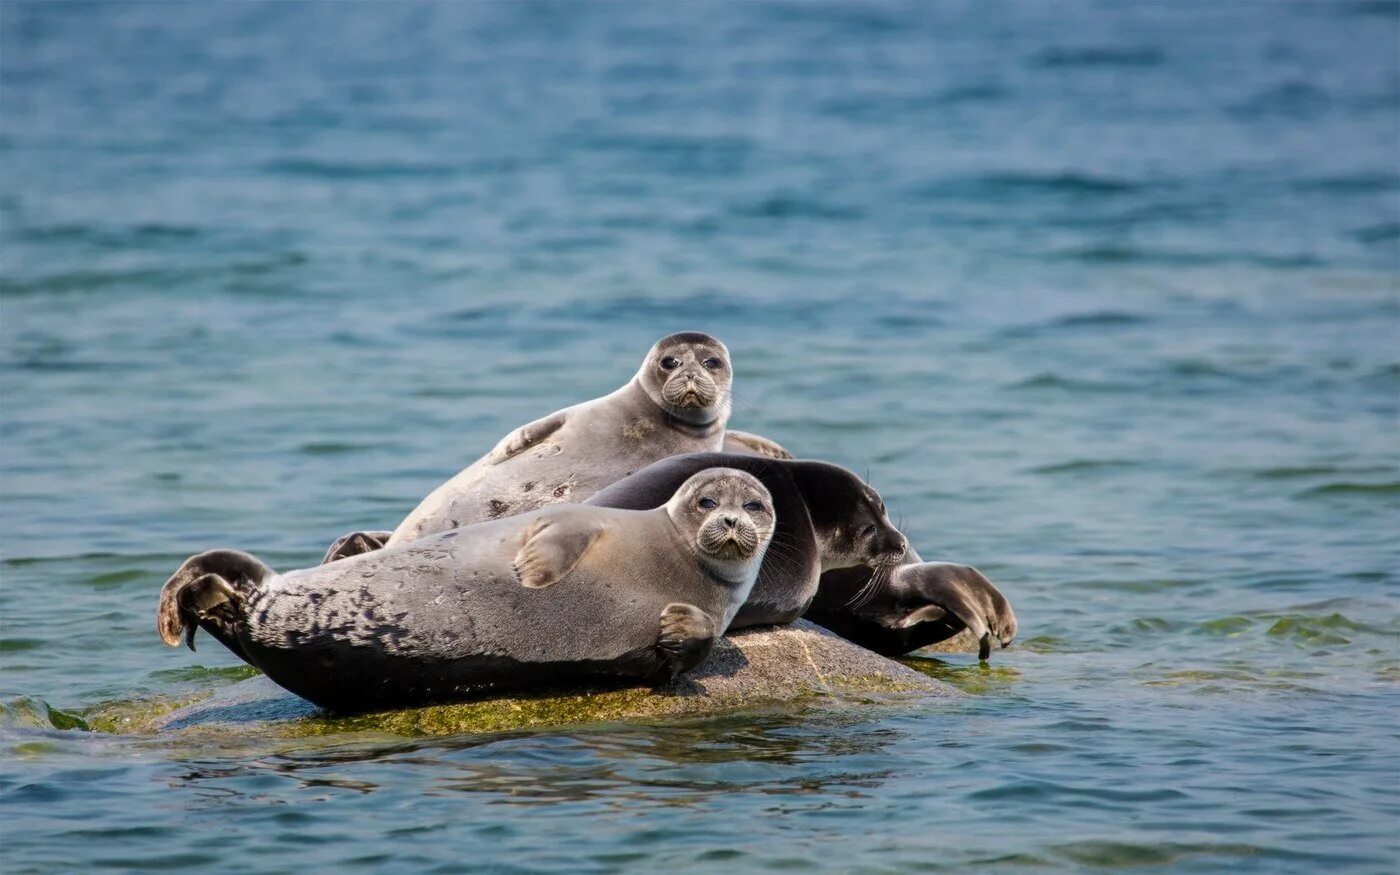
column 801, row 662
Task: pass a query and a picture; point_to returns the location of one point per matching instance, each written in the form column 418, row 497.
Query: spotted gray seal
column 561, row 594
column 677, row 402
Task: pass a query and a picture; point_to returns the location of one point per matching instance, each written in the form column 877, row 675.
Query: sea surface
column 1104, row 298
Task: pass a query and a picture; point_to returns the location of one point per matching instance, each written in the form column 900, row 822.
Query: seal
column 678, row 402
column 827, row 518
column 876, row 592
column 561, row 594
column 899, row 609
column 355, row 543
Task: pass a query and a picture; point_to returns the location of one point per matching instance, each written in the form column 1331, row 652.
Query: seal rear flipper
column 554, row 545
column 687, row 636
column 524, row 437
column 754, row 445
column 209, row 592
column 354, row 544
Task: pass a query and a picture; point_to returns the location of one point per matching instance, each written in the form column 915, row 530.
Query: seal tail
column 210, row 592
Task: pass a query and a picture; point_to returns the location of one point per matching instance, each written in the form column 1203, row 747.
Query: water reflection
column 789, row 753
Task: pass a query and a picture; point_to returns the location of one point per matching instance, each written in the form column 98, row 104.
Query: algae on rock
column 751, row 668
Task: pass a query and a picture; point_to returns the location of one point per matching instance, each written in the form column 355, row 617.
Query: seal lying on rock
column 561, row 594
column 835, row 558
column 899, row 609
column 890, row 602
column 827, row 518
column 678, row 402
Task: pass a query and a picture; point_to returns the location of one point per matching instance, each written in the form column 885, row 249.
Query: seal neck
column 708, row 428
column 714, row 575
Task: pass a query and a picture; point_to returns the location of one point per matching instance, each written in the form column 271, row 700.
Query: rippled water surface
column 1105, row 299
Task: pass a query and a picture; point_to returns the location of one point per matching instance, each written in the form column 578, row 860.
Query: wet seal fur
column 827, row 518
column 891, row 606
column 915, row 604
column 875, row 592
column 559, row 595
column 677, row 402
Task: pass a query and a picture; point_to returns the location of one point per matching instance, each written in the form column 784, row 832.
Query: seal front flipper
column 354, row 544
column 209, row 592
column 754, row 445
column 553, row 545
column 687, row 635
column 525, row 437
column 956, row 597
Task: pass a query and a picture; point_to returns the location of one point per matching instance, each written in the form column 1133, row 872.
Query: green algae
column 1307, row 631
column 266, row 709
column 977, row 679
column 492, row 715
column 793, row 666
column 28, row 712
column 140, row 715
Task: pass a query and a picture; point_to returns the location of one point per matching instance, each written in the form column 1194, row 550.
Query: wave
column 347, row 170
column 792, row 206
column 1110, row 253
column 29, row 712
column 1386, row 232
column 1293, row 472
column 1055, row 381
column 1011, row 183
column 1101, row 56
column 1079, row 466
column 1289, row 100
column 1351, row 183
column 151, row 233
column 1351, row 488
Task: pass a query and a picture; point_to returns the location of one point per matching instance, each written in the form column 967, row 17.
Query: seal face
column 567, row 593
column 731, row 515
column 677, row 402
column 688, row 376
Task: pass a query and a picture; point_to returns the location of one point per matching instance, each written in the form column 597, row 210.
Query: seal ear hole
column 670, row 363
column 708, row 503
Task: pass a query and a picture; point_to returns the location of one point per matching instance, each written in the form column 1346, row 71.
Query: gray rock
column 751, row 668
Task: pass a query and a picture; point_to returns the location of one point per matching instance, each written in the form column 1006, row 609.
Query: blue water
column 1104, row 298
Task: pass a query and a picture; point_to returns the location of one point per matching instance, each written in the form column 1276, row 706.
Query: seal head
column 849, row 517
column 729, row 515
column 688, row 376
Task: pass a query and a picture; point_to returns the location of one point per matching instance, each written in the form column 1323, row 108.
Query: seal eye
column 708, row 503
column 669, row 363
column 753, row 506
column 713, row 363
column 868, row 532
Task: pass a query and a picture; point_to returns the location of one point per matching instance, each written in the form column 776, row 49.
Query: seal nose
column 731, row 521
column 894, row 545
